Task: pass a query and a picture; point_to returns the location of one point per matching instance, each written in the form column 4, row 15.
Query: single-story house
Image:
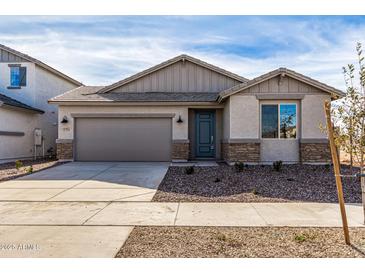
column 185, row 109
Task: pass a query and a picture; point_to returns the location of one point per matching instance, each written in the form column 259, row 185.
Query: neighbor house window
column 279, row 121
column 18, row 76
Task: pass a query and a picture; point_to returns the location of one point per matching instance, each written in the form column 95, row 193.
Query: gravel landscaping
column 294, row 183
column 264, row 242
column 9, row 172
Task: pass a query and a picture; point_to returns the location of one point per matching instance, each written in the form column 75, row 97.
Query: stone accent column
column 247, row 151
column 64, row 149
column 311, row 152
column 180, row 150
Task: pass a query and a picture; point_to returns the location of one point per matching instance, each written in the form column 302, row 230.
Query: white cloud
column 97, row 57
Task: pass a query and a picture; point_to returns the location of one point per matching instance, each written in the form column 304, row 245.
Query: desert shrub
column 254, row 191
column 222, row 237
column 189, row 170
column 30, row 169
column 239, row 166
column 18, row 164
column 277, row 165
column 300, row 238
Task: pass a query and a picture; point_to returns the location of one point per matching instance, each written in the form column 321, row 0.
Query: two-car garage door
column 123, row 139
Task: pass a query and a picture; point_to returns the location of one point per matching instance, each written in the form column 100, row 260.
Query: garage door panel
column 123, row 139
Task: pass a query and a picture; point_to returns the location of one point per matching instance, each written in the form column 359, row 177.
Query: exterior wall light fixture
column 179, row 120
column 64, row 120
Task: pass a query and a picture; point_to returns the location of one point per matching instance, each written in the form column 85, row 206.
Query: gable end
column 180, row 74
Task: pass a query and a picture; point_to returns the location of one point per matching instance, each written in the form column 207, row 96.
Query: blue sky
column 103, row 49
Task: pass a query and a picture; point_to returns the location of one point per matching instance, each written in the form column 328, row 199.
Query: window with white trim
column 279, row 121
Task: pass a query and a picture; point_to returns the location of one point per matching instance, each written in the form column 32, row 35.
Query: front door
column 205, row 134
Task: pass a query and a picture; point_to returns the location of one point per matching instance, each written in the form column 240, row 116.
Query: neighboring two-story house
column 25, row 86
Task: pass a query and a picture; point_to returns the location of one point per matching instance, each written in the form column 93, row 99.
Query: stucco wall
column 179, row 130
column 17, row 147
column 312, row 115
column 244, row 113
column 47, row 86
column 226, row 120
column 41, row 85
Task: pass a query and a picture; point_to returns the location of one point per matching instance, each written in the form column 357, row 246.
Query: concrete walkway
column 99, row 229
column 177, row 214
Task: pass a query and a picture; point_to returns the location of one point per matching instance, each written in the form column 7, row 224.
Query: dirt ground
column 8, row 171
column 264, row 242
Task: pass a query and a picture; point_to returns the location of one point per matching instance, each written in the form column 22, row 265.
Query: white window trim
column 279, row 104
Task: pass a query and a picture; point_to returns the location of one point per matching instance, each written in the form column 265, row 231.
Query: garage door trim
column 123, row 115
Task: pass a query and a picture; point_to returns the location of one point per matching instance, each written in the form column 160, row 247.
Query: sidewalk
column 227, row 214
column 99, row 229
column 177, row 214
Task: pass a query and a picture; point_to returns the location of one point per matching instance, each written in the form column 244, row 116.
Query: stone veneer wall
column 64, row 150
column 180, row 150
column 241, row 152
column 315, row 153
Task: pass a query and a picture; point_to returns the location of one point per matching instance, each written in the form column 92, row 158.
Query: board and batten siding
column 283, row 85
column 6, row 57
column 180, row 77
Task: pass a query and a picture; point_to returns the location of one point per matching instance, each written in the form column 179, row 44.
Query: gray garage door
column 123, row 139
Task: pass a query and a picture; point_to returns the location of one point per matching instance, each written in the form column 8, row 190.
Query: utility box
column 37, row 137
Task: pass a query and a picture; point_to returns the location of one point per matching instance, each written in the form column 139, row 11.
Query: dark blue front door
column 205, row 134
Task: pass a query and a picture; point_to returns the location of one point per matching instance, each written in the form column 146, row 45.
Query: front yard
column 8, row 171
column 294, row 183
column 255, row 242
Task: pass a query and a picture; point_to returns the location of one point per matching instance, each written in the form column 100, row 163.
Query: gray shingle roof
column 89, row 94
column 5, row 100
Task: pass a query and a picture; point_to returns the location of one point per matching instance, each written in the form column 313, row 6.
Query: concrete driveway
column 88, row 182
column 44, row 214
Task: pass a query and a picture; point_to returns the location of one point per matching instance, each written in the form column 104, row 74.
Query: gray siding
column 180, row 77
column 283, row 86
column 6, row 57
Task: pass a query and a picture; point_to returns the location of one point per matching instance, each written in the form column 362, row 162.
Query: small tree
column 349, row 115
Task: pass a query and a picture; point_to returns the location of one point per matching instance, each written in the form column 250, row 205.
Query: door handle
column 211, row 139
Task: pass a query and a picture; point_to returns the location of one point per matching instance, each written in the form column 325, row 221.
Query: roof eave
column 31, row 110
column 96, row 102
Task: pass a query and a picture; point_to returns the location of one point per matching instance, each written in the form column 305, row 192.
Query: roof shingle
column 90, row 94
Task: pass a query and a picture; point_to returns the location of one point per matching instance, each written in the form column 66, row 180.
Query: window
column 275, row 117
column 269, row 122
column 18, row 76
column 288, row 121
